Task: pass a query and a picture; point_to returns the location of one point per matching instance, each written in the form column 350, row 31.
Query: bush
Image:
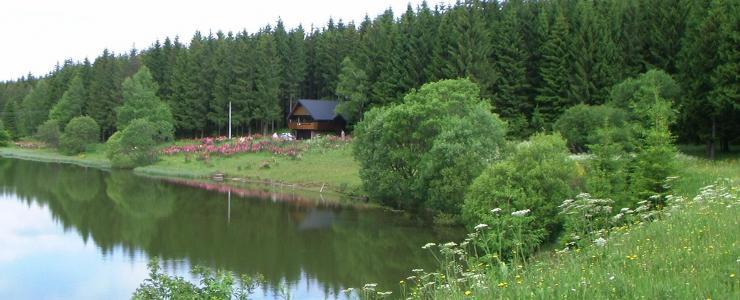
column 134, row 146
column 579, row 125
column 5, row 136
column 217, row 284
column 425, row 151
column 78, row 134
column 538, row 176
column 49, row 133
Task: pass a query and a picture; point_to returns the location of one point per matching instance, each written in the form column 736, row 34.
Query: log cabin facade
column 309, row 118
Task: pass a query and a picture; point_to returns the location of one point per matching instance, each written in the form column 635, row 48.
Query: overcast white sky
column 36, row 34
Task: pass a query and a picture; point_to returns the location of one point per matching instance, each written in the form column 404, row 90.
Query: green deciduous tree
column 140, row 101
column 79, row 133
column 133, row 146
column 72, row 103
column 425, row 151
column 34, row 109
column 352, row 90
column 538, row 176
column 49, row 133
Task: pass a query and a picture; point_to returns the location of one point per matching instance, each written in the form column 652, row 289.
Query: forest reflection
column 256, row 231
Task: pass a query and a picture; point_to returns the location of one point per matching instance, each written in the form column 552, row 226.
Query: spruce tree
column 105, row 93
column 511, row 88
column 10, row 117
column 553, row 97
column 267, row 82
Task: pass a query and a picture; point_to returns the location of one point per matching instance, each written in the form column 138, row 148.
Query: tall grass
column 689, row 250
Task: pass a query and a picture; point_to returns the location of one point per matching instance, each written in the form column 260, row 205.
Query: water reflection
column 105, row 220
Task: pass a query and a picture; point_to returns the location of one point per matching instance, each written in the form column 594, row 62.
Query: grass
column 335, row 169
column 328, row 168
column 690, row 252
column 95, row 157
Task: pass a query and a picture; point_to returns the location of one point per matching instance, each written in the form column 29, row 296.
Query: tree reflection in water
column 283, row 236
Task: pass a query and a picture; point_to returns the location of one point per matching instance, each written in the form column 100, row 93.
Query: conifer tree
column 267, row 81
column 105, row 93
column 510, row 90
column 553, row 96
column 10, row 117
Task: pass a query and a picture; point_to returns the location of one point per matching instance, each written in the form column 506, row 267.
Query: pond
column 68, row 232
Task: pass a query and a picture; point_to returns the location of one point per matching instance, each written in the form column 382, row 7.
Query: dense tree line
column 532, row 59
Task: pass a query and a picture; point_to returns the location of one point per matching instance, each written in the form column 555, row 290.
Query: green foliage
column 533, row 59
column 352, row 89
column 34, row 109
column 133, row 146
column 141, row 102
column 104, row 92
column 638, row 260
column 425, row 151
column 10, row 118
column 553, row 94
column 79, row 133
column 213, row 285
column 49, row 133
column 584, row 219
column 5, row 136
column 656, row 157
column 71, row 104
column 538, row 176
column 579, row 125
column 636, row 95
column 608, row 170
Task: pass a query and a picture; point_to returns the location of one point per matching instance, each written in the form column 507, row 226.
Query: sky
column 38, row 34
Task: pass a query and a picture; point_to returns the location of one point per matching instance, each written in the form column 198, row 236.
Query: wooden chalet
column 311, row 117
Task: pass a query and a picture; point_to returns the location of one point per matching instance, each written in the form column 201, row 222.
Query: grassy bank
column 95, row 158
column 330, row 169
column 334, row 169
column 690, row 252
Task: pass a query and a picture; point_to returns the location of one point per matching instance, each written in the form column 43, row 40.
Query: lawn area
column 95, row 157
column 334, row 168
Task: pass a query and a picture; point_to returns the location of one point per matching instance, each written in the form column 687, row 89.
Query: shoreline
column 93, row 161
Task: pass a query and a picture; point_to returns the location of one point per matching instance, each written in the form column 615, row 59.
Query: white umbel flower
column 520, row 213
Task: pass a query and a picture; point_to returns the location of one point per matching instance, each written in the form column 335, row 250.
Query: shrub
column 579, row 125
column 217, row 284
column 78, row 134
column 425, row 151
column 4, row 137
column 133, row 146
column 538, row 176
column 49, row 133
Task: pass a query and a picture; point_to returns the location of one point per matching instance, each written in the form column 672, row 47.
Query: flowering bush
column 221, row 146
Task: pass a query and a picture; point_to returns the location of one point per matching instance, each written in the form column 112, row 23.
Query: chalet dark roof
column 321, row 110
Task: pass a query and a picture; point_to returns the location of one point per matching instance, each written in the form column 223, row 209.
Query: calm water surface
column 68, row 232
